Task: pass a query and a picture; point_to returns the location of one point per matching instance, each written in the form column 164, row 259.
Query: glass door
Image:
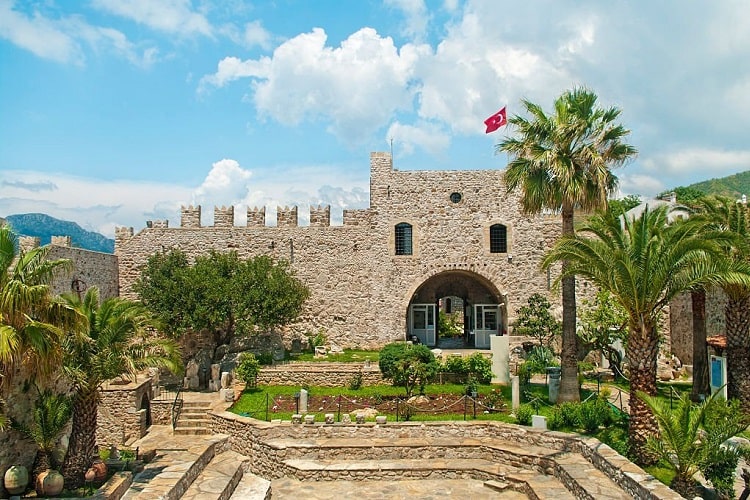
column 486, row 321
column 422, row 324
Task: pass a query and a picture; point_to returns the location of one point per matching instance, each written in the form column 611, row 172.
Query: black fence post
column 266, row 407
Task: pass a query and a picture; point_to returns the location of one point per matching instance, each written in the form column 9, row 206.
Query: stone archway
column 484, row 308
column 146, row 405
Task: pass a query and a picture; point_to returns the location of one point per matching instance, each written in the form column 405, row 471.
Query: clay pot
column 90, row 475
column 49, row 483
column 16, row 479
column 100, row 471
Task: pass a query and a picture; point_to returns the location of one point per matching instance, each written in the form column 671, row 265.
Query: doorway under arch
column 458, row 293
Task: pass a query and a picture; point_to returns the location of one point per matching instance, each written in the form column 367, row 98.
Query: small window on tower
column 498, row 239
column 403, row 239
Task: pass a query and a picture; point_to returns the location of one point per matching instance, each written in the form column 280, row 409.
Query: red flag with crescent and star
column 496, row 121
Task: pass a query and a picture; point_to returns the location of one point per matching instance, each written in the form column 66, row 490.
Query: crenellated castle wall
column 360, row 289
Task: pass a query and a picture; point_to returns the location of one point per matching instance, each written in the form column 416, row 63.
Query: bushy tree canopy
column 536, row 320
column 220, row 292
column 408, row 365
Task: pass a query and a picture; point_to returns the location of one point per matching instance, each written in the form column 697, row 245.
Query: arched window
column 403, row 239
column 498, row 239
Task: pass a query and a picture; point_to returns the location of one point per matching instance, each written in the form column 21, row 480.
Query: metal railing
column 176, row 407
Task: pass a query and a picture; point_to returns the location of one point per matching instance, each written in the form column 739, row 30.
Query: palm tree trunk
column 738, row 348
column 569, row 390
column 82, row 439
column 701, row 385
column 642, row 351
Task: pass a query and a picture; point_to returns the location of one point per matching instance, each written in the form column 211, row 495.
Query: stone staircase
column 193, row 419
column 534, row 472
column 194, row 466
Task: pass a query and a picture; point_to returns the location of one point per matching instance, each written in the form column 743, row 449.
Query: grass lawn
column 348, row 356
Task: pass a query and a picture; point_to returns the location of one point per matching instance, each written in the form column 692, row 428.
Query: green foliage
column 602, row 323
column 265, row 358
column 594, row 413
column 624, row 204
column 220, row 292
column 721, row 419
column 475, row 367
column 535, row 320
column 50, row 415
column 408, row 366
column 316, row 339
column 448, row 325
column 355, row 383
column 537, row 361
column 248, row 368
column 691, row 436
column 569, row 414
column 555, row 420
column 524, row 414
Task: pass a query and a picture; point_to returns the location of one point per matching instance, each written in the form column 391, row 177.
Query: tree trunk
column 738, row 348
column 642, row 351
column 82, row 439
column 701, row 385
column 569, row 390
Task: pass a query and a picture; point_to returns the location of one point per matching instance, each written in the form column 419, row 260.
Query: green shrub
column 523, row 414
column 555, row 419
column 456, row 365
column 480, row 368
column 355, row 383
column 409, row 366
column 569, row 414
column 248, row 368
column 265, row 358
column 494, row 399
column 592, row 414
column 316, row 339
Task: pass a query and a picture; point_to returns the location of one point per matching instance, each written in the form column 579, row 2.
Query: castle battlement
column 286, row 217
column 224, row 216
column 256, row 217
column 190, row 216
column 60, row 241
column 320, row 216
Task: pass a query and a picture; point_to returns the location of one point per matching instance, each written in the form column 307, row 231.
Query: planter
column 49, row 483
column 16, row 479
column 100, row 471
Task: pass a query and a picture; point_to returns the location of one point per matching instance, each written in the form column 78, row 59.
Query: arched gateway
column 476, row 303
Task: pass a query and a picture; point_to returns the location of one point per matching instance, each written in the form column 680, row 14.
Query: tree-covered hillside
column 732, row 186
column 45, row 227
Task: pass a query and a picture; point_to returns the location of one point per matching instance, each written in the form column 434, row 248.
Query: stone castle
column 427, row 236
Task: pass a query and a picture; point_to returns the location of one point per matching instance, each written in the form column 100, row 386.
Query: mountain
column 733, row 186
column 45, row 227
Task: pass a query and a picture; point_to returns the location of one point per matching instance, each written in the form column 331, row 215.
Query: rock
column 367, row 412
column 415, row 400
column 226, row 380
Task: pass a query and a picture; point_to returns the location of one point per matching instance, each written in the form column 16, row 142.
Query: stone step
column 191, row 431
column 252, row 487
column 394, row 469
column 193, row 416
column 541, row 487
column 194, row 422
column 541, row 459
column 219, row 479
column 173, row 469
column 589, row 483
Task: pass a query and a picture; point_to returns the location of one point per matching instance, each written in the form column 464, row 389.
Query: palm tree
column 562, row 163
column 32, row 322
column 50, row 416
column 119, row 341
column 644, row 263
column 725, row 214
column 687, row 438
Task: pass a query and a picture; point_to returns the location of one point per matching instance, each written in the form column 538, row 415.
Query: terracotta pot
column 100, row 471
column 16, row 479
column 49, row 483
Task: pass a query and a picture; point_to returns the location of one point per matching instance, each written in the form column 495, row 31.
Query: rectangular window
column 403, row 239
column 498, row 239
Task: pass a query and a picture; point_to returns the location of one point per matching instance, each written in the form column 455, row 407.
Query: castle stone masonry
column 380, row 276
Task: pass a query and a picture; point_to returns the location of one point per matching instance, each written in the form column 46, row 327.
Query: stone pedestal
column 309, row 419
column 539, row 422
column 226, row 380
column 226, row 394
column 553, row 384
column 296, row 418
column 346, row 419
column 360, row 418
column 500, row 348
column 515, row 388
column 303, row 401
column 380, row 419
column 329, row 418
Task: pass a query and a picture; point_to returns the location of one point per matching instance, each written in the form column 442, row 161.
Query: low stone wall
column 161, row 412
column 250, row 437
column 121, row 417
column 320, row 374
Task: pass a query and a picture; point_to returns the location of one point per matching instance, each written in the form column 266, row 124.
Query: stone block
column 296, row 418
column 226, row 380
column 226, row 395
column 329, row 418
column 346, row 419
column 539, row 422
column 380, row 419
column 309, row 419
column 360, row 418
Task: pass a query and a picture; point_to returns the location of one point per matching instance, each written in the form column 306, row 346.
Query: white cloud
column 39, row 35
column 644, row 185
column 427, row 136
column 170, row 16
column 416, row 15
column 698, row 160
column 233, row 68
column 253, row 34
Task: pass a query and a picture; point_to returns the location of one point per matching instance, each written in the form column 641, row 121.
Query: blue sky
column 114, row 112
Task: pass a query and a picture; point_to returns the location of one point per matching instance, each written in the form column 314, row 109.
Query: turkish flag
column 495, row 121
